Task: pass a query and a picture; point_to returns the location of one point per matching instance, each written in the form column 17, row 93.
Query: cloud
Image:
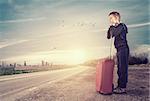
column 138, row 25
column 141, row 49
column 144, row 48
column 129, row 26
column 23, row 20
column 11, row 42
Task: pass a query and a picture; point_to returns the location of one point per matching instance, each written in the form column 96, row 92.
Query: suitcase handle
column 111, row 47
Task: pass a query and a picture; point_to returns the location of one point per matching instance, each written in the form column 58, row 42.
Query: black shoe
column 119, row 90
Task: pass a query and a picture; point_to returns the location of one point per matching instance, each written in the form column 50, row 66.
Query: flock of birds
column 61, row 23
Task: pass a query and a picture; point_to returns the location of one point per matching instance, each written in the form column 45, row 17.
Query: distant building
column 25, row 64
column 42, row 63
column 3, row 64
column 14, row 64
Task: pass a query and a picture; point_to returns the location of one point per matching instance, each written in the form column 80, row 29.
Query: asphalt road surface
column 14, row 86
column 71, row 84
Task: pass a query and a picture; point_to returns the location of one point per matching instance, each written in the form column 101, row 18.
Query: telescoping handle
column 111, row 41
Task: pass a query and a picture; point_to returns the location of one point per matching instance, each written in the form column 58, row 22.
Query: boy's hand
column 115, row 24
column 111, row 24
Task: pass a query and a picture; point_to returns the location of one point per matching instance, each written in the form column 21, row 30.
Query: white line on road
column 19, row 76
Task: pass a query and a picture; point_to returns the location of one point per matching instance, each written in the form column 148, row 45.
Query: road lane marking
column 31, row 74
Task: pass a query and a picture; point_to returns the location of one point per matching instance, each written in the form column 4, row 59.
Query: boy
column 118, row 31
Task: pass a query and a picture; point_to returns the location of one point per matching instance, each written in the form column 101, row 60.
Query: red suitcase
column 104, row 76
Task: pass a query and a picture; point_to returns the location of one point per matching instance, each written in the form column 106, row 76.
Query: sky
column 67, row 31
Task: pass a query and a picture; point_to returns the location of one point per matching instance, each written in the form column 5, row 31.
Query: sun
column 79, row 56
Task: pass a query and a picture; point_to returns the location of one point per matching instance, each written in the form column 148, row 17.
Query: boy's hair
column 115, row 14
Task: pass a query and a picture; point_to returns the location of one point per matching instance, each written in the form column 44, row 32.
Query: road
column 72, row 84
column 14, row 86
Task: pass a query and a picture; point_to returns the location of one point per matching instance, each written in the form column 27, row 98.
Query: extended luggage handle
column 110, row 57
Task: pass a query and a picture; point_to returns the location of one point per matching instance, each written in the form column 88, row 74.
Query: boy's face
column 113, row 19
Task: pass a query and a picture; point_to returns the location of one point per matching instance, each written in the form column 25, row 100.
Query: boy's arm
column 125, row 28
column 108, row 34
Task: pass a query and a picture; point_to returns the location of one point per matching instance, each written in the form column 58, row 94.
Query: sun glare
column 78, row 56
column 74, row 56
